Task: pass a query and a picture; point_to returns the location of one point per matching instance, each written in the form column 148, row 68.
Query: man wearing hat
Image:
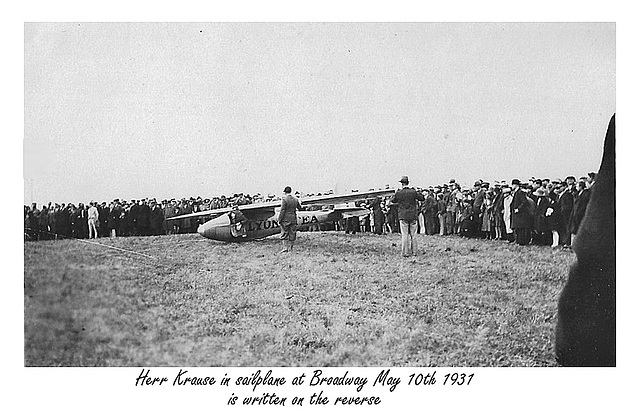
column 478, row 202
column 144, row 216
column 579, row 207
column 115, row 214
column 541, row 221
column 565, row 202
column 288, row 220
column 103, row 218
column 521, row 214
column 406, row 199
column 535, row 185
column 571, row 184
column 431, row 212
column 156, row 218
column 591, row 179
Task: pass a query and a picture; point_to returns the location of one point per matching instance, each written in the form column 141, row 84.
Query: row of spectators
column 540, row 211
column 548, row 212
column 143, row 217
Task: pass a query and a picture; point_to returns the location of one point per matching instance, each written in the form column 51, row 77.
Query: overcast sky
column 177, row 110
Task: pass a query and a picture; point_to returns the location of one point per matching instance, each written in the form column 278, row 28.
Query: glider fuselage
column 220, row 228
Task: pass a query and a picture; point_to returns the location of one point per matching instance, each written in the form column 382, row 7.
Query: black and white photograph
column 143, row 138
column 334, row 195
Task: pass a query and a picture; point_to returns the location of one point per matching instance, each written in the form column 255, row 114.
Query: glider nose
column 208, row 229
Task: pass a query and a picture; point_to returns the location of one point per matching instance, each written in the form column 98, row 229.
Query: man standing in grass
column 92, row 220
column 288, row 220
column 406, row 199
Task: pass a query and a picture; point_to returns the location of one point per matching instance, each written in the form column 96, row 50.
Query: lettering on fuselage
column 308, row 220
column 262, row 225
column 253, row 226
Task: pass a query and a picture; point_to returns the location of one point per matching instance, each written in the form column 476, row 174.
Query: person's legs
column 287, row 236
column 404, row 230
column 413, row 229
column 565, row 235
column 449, row 222
column 284, row 238
column 441, row 219
column 292, row 236
column 93, row 232
column 522, row 236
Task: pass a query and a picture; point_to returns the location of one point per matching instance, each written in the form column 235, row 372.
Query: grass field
column 338, row 300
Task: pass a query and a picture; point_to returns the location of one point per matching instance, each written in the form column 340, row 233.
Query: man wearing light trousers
column 406, row 199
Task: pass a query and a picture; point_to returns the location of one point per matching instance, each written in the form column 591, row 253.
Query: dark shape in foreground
column 586, row 329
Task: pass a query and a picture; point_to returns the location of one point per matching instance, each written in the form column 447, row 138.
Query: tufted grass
column 337, row 300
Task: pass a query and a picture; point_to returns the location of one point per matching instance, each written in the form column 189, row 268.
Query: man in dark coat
column 103, row 215
column 478, row 201
column 406, row 199
column 571, row 184
column 78, row 220
column 156, row 219
column 288, row 219
column 565, row 202
column 126, row 222
column 115, row 214
column 144, row 216
column 430, row 212
column 53, row 221
column 34, row 221
column 541, row 219
column 520, row 214
column 64, row 221
column 44, row 224
column 579, row 207
column 132, row 218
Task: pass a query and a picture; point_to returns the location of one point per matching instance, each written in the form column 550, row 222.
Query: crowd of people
column 137, row 217
column 538, row 211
